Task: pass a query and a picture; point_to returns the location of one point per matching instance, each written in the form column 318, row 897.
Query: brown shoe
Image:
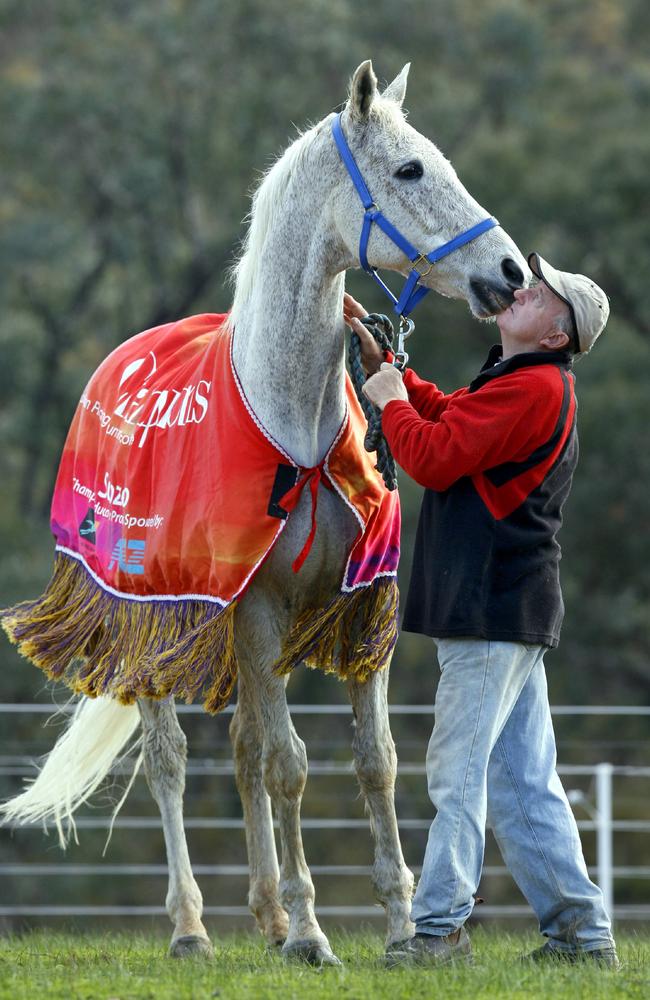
column 430, row 949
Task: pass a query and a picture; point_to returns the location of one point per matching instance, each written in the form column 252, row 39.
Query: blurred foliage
column 133, row 135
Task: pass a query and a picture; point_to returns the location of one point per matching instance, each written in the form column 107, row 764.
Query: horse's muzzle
column 490, row 298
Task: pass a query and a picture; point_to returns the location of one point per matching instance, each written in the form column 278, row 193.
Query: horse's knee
column 285, row 768
column 247, row 752
column 375, row 764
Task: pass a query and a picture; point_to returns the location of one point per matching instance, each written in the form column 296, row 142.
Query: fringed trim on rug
column 352, row 636
column 101, row 644
column 201, row 664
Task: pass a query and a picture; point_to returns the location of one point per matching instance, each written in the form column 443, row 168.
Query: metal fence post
column 604, row 834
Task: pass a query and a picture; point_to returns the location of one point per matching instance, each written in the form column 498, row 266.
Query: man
column 496, row 460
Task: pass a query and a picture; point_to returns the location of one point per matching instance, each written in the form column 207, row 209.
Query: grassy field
column 121, row 967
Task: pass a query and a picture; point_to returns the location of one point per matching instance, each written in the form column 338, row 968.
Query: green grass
column 121, row 967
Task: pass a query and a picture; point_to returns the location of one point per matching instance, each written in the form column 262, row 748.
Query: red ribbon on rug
column 314, row 476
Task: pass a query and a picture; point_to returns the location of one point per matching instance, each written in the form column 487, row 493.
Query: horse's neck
column 288, row 344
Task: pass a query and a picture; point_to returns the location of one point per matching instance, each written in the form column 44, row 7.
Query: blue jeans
column 491, row 759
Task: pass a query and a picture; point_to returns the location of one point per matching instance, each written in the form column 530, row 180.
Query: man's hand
column 352, row 309
column 371, row 353
column 387, row 384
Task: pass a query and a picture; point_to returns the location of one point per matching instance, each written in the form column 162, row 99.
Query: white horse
column 289, row 353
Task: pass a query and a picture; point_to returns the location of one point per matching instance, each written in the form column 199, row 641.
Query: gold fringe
column 213, row 640
column 100, row 644
column 352, row 636
column 37, row 627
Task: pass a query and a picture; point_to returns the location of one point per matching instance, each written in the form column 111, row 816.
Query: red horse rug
column 169, row 496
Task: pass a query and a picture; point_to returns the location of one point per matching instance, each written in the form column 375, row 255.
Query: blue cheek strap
column 412, row 292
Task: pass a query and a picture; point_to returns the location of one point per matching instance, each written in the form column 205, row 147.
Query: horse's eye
column 411, row 171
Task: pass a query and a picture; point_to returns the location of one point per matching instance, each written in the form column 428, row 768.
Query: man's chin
column 502, row 320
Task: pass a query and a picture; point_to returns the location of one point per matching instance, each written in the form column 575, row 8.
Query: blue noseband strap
column 412, row 293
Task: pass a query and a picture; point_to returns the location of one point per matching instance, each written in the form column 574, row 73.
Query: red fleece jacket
column 437, row 439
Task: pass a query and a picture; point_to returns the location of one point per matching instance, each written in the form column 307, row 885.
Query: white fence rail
column 600, row 811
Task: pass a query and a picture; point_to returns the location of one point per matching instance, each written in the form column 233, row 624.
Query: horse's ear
column 363, row 91
column 396, row 91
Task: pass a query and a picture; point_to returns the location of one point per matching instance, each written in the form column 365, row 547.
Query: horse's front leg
column 284, row 768
column 376, row 766
column 264, row 873
column 165, row 757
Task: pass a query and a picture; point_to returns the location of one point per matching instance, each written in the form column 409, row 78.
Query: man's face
column 532, row 316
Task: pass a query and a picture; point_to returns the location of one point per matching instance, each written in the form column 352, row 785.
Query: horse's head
column 418, row 190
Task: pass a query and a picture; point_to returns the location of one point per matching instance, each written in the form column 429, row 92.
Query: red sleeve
column 426, row 398
column 502, row 421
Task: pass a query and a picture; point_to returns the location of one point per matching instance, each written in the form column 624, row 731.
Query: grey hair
column 564, row 323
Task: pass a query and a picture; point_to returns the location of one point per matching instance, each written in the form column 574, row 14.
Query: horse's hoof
column 191, row 946
column 310, row 952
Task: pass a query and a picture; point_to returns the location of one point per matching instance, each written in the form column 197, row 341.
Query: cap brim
column 553, row 280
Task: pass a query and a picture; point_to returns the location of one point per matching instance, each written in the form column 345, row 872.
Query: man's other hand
column 352, row 309
column 387, row 384
column 371, row 353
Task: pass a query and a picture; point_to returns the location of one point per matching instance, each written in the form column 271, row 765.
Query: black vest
column 475, row 574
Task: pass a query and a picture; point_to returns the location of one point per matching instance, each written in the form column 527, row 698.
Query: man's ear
column 556, row 340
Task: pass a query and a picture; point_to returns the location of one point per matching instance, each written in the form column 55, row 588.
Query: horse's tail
column 99, row 730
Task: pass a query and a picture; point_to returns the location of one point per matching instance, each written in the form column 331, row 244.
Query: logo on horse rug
column 170, row 495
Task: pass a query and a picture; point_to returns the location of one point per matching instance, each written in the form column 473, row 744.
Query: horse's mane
column 266, row 205
column 268, row 201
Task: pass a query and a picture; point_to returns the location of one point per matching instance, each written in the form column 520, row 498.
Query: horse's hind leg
column 284, row 762
column 165, row 757
column 376, row 766
column 284, row 769
column 263, row 897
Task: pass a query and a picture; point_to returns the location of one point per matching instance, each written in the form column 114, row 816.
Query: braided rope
column 381, row 329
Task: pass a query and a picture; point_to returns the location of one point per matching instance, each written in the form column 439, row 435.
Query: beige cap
column 588, row 304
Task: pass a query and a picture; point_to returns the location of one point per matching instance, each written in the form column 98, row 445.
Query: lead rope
column 381, row 329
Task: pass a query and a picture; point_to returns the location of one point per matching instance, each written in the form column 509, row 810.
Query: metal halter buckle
column 422, row 261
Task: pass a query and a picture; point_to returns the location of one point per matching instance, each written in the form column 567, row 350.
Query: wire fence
column 600, row 811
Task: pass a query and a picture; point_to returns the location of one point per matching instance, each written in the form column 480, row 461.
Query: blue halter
column 422, row 263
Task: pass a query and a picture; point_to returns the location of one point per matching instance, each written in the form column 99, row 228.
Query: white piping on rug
column 137, row 597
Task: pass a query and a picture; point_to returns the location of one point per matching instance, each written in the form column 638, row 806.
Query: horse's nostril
column 512, row 272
